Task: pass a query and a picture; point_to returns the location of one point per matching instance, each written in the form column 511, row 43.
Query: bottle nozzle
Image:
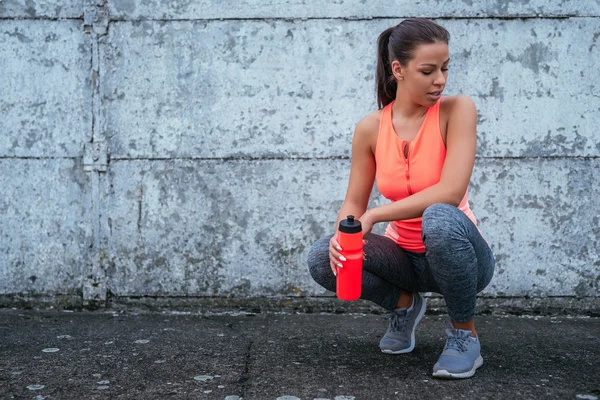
column 350, row 225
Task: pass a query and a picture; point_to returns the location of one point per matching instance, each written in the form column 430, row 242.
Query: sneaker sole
column 412, row 336
column 450, row 375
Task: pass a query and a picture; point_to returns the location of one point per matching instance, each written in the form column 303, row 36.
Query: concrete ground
column 125, row 355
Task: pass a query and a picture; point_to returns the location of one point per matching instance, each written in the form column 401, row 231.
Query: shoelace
column 398, row 322
column 455, row 342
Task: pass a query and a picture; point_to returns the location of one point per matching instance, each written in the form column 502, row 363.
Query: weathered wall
column 166, row 148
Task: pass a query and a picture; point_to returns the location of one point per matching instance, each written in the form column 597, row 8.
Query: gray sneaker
column 461, row 356
column 400, row 336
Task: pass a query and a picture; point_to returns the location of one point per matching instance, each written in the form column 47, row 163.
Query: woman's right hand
column 335, row 257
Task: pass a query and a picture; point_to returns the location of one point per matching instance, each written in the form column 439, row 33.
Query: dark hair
column 399, row 43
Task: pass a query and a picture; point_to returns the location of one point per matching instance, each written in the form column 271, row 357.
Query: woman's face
column 424, row 78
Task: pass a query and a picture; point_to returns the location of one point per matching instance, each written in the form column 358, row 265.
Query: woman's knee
column 318, row 260
column 441, row 222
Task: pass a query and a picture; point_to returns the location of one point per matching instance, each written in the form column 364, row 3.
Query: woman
column 420, row 147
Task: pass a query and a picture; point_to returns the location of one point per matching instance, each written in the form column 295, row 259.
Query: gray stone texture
column 228, row 133
column 351, row 9
column 45, row 226
column 45, row 90
column 163, row 219
column 269, row 356
column 46, row 9
column 541, row 223
column 264, row 88
column 201, row 227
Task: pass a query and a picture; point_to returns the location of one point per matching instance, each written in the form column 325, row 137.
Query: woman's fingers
column 334, row 252
column 335, row 257
column 333, row 243
column 333, row 268
column 334, row 263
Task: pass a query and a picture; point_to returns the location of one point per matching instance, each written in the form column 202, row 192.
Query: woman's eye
column 429, row 72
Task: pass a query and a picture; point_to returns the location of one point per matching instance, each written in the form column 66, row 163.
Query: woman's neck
column 406, row 109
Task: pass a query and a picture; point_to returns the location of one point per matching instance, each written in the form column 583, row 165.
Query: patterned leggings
column 457, row 263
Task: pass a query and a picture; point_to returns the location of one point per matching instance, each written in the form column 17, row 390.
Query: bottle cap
column 350, row 225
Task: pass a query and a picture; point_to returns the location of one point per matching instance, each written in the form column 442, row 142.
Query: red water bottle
column 349, row 278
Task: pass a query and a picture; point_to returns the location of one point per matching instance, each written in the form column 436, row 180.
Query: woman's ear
column 397, row 70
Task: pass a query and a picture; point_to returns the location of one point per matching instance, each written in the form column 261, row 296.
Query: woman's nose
column 440, row 79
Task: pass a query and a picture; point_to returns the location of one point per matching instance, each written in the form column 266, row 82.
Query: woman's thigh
column 390, row 262
column 383, row 258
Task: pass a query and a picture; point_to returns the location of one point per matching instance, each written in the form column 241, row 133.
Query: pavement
column 52, row 354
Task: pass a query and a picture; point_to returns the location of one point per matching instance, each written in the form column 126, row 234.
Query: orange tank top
column 399, row 177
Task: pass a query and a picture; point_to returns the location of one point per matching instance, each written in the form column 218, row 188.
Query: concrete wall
column 197, row 149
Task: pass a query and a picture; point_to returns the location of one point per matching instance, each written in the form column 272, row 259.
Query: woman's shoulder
column 451, row 104
column 367, row 129
column 370, row 123
column 459, row 107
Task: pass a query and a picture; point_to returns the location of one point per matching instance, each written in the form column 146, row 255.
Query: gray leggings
column 457, row 263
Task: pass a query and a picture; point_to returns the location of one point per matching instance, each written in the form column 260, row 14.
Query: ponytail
column 384, row 78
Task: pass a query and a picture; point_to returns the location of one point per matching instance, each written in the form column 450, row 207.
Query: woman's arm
column 456, row 173
column 362, row 171
column 360, row 184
